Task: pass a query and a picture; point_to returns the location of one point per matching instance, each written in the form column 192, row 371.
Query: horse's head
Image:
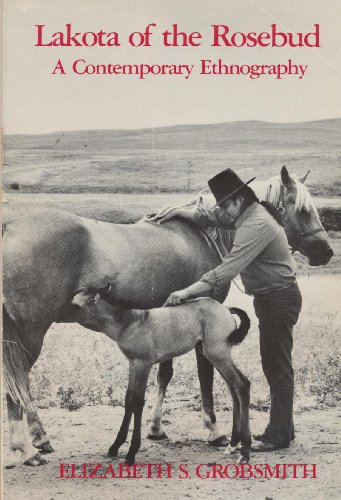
column 301, row 220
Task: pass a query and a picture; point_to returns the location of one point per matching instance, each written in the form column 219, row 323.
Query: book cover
column 114, row 110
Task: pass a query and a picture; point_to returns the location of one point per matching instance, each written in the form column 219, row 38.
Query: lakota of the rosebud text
column 222, row 35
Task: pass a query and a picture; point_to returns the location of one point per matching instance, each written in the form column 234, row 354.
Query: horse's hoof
column 112, row 452
column 243, row 460
column 10, row 465
column 157, row 437
column 129, row 460
column 219, row 442
column 45, row 448
column 35, row 460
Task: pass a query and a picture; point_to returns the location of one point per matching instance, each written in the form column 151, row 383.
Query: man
column 260, row 254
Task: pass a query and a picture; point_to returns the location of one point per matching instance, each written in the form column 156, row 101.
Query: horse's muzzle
column 321, row 258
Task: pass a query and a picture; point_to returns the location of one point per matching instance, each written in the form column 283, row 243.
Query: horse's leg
column 164, row 376
column 128, row 411
column 35, row 426
column 141, row 373
column 18, row 360
column 205, row 373
column 236, row 427
column 243, row 393
column 240, row 388
column 18, row 434
column 37, row 431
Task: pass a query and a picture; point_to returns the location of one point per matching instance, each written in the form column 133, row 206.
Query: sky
column 36, row 101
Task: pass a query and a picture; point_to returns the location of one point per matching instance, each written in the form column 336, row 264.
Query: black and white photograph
column 171, row 249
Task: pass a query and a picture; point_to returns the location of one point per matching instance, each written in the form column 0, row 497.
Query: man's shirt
column 260, row 252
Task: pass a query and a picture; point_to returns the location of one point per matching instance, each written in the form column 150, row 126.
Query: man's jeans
column 278, row 312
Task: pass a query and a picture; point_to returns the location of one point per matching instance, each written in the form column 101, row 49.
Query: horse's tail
column 239, row 334
column 16, row 366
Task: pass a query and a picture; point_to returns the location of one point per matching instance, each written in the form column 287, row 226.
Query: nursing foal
column 151, row 336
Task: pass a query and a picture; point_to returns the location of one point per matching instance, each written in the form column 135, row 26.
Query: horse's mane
column 270, row 191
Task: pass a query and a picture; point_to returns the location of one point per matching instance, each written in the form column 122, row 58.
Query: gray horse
column 50, row 255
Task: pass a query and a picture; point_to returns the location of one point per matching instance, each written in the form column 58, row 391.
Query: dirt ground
column 83, row 437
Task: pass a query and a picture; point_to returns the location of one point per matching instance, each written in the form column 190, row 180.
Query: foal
column 151, row 336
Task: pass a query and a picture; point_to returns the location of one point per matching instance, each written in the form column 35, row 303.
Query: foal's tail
column 238, row 335
column 16, row 368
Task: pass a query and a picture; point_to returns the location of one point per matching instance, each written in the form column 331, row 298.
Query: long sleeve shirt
column 260, row 252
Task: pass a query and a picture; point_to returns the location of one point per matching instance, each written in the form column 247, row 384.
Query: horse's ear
column 303, row 179
column 286, row 179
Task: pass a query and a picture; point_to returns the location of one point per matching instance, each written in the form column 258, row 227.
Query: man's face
column 233, row 207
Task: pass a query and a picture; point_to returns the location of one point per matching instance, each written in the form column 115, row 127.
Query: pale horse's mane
column 270, row 191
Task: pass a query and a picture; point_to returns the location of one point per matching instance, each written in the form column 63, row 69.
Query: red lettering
column 220, row 31
column 93, row 472
column 183, row 468
column 73, row 473
column 269, row 472
column 241, row 36
column 236, row 471
column 85, row 39
column 217, row 469
column 315, row 36
column 64, row 468
column 263, row 36
column 257, row 468
column 246, row 471
column 113, row 40
column 198, row 471
column 59, row 67
column 312, row 471
column 137, row 471
column 110, row 470
column 124, row 468
column 294, row 466
column 40, row 36
column 72, row 38
column 168, row 470
column 275, row 36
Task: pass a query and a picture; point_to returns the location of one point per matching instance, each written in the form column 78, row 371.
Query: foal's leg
column 236, row 427
column 243, row 392
column 128, row 411
column 205, row 373
column 18, row 434
column 164, row 376
column 141, row 372
column 240, row 389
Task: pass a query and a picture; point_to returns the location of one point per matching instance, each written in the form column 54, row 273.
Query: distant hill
column 174, row 159
column 318, row 135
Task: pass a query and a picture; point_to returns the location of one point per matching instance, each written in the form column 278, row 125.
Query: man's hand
column 185, row 213
column 176, row 298
column 169, row 214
